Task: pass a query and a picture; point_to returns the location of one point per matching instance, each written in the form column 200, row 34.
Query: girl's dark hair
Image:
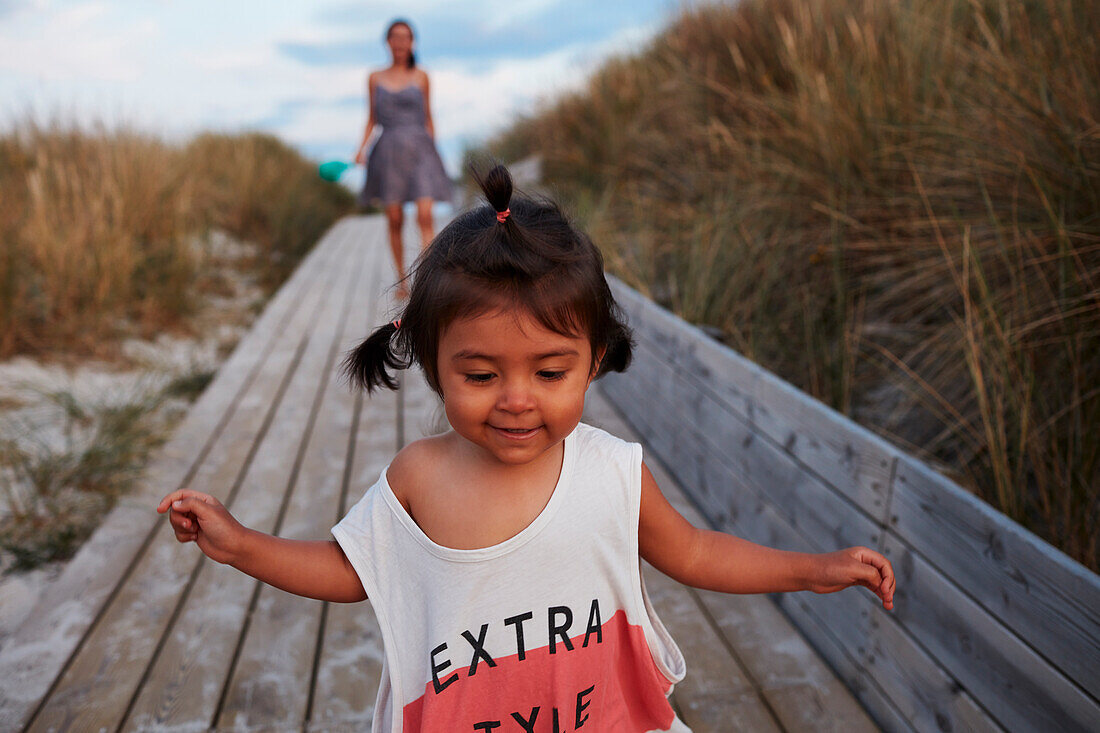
column 534, row 260
column 389, row 31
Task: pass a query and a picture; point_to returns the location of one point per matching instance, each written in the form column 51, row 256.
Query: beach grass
column 97, row 225
column 59, row 478
column 893, row 205
column 107, row 234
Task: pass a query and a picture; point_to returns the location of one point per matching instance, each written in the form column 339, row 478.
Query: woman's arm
column 313, row 569
column 723, row 562
column 427, row 105
column 361, row 152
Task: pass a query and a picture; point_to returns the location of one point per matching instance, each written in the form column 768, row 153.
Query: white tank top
column 547, row 632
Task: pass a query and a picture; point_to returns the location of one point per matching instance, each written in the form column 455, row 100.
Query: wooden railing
column 992, row 626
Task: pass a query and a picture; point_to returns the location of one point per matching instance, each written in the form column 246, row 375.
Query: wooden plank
column 858, row 621
column 690, row 420
column 279, row 648
column 34, row 657
column 805, row 694
column 847, row 456
column 890, row 671
column 1011, row 681
column 184, row 680
column 97, row 687
column 849, row 668
column 1047, row 599
column 349, row 665
column 716, row 695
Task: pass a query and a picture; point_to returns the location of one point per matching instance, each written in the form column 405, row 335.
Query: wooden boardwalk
column 142, row 633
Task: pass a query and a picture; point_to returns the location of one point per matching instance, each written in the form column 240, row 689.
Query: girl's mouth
column 516, row 433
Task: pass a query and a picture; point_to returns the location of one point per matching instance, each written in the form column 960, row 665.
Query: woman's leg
column 396, row 218
column 424, row 221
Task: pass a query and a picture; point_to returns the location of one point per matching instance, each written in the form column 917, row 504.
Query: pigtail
column 620, row 347
column 368, row 365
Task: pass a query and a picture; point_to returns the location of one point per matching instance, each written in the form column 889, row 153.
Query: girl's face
column 510, row 386
column 400, row 41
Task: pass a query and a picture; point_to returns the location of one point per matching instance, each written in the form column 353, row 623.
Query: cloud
column 9, row 8
column 80, row 40
column 299, row 70
column 446, row 32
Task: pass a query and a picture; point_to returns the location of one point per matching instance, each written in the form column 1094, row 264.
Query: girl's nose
column 516, row 396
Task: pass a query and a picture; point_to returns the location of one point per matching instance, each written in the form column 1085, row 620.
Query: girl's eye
column 478, row 378
column 552, row 376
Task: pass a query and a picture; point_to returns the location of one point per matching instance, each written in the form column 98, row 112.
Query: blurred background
column 297, row 70
column 893, row 205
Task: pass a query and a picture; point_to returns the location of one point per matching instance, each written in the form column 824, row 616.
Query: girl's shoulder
column 598, row 439
column 415, row 466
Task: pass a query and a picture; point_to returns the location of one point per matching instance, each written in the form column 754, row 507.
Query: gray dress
column 403, row 164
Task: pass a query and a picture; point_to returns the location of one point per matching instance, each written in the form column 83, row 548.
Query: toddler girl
column 502, row 557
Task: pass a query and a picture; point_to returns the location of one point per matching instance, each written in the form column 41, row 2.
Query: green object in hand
column 331, row 170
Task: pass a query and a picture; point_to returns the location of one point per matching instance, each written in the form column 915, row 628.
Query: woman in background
column 404, row 164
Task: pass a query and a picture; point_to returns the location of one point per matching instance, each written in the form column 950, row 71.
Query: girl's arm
column 361, row 153
column 723, row 562
column 313, row 569
column 427, row 106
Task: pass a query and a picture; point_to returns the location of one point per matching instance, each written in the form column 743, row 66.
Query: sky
column 298, row 69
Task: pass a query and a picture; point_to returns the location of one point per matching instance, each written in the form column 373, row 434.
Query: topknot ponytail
column 497, row 187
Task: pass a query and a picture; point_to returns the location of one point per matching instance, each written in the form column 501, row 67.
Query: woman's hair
column 389, row 31
column 533, row 260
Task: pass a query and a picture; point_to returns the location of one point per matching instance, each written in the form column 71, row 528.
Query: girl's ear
column 596, row 364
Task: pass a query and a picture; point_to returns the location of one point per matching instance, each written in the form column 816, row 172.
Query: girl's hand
column 200, row 518
column 855, row 566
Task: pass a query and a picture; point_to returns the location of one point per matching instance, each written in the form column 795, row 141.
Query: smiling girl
column 502, row 557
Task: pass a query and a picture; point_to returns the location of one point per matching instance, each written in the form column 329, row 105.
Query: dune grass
column 101, row 238
column 894, row 205
column 96, row 227
column 60, row 476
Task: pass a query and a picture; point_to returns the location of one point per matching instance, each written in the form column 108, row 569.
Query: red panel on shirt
column 610, row 686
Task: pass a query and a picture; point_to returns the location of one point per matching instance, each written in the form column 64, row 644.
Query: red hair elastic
column 397, row 324
column 502, row 215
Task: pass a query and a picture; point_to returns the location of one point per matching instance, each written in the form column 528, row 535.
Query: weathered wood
column 349, row 664
column 690, row 420
column 97, row 687
column 849, row 457
column 278, row 650
column 34, row 657
column 1051, row 602
column 900, row 683
column 716, row 695
column 852, row 622
column 804, row 693
column 1013, row 683
column 1029, row 616
column 185, row 680
column 775, row 517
